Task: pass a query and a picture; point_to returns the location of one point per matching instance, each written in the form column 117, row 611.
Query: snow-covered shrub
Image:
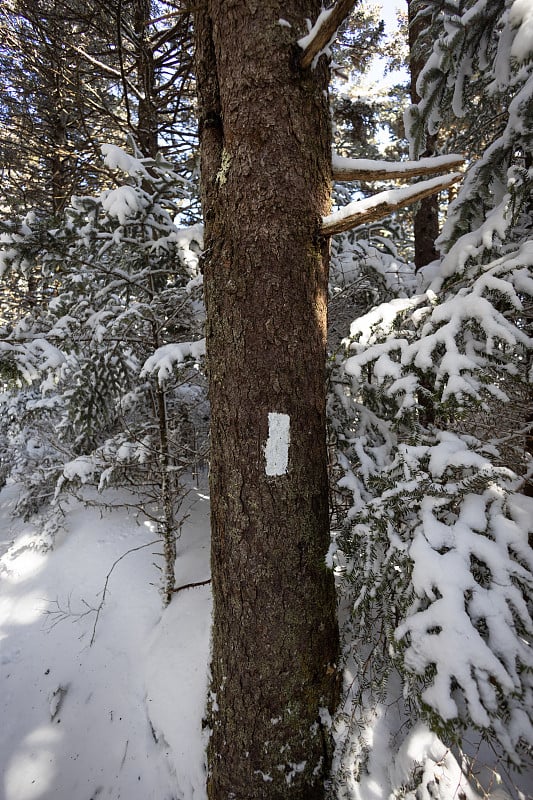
column 481, row 71
column 366, row 268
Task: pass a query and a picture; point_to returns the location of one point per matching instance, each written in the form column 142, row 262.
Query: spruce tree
column 436, row 533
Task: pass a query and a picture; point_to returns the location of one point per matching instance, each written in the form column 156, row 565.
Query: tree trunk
column 426, row 219
column 147, row 123
column 265, row 138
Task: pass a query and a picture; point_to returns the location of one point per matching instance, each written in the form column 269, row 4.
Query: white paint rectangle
column 277, row 446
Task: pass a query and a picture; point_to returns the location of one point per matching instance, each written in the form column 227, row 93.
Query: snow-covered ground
column 122, row 717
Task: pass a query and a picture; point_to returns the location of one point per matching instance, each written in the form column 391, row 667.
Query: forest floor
column 106, row 700
column 121, row 717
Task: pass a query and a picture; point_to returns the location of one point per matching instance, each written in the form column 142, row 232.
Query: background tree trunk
column 148, row 123
column 265, row 137
column 426, row 218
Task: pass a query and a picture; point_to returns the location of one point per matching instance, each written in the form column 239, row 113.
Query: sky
column 389, row 11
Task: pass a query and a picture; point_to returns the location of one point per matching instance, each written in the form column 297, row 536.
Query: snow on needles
column 117, row 158
column 521, row 17
column 165, row 358
column 377, row 337
column 442, row 574
column 123, row 203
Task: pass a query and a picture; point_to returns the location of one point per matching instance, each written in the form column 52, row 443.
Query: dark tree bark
column 265, row 139
column 426, row 220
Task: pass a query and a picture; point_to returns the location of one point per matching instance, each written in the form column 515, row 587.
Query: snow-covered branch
column 366, row 169
column 165, row 358
column 384, row 203
column 323, row 31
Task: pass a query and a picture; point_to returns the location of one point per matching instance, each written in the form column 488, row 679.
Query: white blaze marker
column 277, row 446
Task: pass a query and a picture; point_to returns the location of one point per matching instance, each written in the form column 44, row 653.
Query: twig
column 191, row 585
column 102, row 601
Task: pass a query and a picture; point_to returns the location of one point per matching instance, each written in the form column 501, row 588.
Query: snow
column 123, row 203
column 164, row 360
column 370, row 165
column 81, row 468
column 179, row 646
column 306, row 40
column 277, row 445
column 120, row 718
column 472, row 243
column 116, row 158
column 421, row 746
column 521, row 17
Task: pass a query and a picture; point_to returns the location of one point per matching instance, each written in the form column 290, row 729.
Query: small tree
column 122, row 405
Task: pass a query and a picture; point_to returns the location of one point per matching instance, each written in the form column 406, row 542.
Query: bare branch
column 191, row 585
column 323, row 31
column 365, row 169
column 381, row 205
column 104, row 592
column 170, row 15
column 105, row 68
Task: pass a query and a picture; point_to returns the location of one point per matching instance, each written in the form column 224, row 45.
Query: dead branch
column 104, row 592
column 381, row 205
column 191, row 585
column 326, row 27
column 364, row 169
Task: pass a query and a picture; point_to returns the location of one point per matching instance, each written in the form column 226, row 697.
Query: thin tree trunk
column 265, row 137
column 146, row 134
column 147, row 124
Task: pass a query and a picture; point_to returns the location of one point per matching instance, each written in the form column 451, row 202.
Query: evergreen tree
column 435, row 544
column 50, row 123
column 111, row 400
column 265, row 172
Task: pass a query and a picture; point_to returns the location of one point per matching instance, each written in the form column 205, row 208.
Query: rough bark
column 265, row 146
column 426, row 220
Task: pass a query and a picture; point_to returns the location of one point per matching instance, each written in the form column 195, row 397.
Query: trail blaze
column 277, row 446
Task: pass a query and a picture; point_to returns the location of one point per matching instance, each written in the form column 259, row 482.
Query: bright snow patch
column 340, row 163
column 122, row 203
column 521, row 16
column 121, row 717
column 390, row 197
column 116, row 158
column 306, row 40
